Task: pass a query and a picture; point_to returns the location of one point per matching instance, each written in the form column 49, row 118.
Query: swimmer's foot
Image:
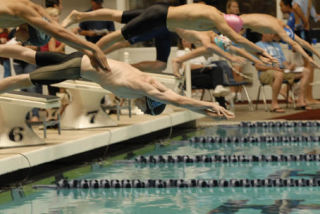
column 71, row 19
column 175, row 68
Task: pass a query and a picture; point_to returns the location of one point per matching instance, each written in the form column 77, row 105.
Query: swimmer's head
column 222, row 42
column 31, row 36
column 234, row 21
column 289, row 32
column 150, row 106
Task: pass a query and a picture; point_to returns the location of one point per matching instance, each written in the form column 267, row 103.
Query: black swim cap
column 154, row 107
column 37, row 38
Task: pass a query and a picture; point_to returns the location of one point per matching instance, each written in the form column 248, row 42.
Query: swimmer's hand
column 99, row 61
column 314, row 64
column 218, row 111
column 267, row 58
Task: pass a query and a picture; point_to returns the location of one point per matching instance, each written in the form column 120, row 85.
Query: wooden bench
column 14, row 106
column 84, row 110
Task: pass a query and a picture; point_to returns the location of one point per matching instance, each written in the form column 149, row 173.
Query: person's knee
column 278, row 75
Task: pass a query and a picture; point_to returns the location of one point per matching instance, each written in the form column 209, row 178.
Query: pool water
column 193, row 200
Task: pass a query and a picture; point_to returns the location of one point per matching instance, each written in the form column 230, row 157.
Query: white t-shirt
column 201, row 60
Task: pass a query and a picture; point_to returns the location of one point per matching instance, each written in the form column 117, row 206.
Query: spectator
column 55, row 4
column 95, row 30
column 4, row 37
column 204, row 77
column 275, row 76
column 303, row 10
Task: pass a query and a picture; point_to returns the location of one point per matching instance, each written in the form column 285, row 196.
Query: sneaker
column 221, row 91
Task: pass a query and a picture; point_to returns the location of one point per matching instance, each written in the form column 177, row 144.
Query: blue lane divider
column 180, row 183
column 280, row 124
column 255, row 139
column 225, row 158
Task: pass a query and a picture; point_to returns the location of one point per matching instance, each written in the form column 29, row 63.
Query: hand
column 219, row 111
column 267, row 58
column 99, row 61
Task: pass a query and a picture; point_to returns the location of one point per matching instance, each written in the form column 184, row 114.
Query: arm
column 306, row 45
column 151, row 66
column 223, row 27
column 297, row 9
column 35, row 16
column 295, row 46
column 159, row 92
column 53, row 48
column 245, row 54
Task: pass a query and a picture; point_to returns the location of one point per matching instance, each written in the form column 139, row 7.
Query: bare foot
column 71, row 19
column 175, row 68
column 312, row 102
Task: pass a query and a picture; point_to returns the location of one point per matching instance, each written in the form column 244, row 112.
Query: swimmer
column 266, row 24
column 189, row 16
column 206, row 39
column 220, row 42
column 124, row 80
column 34, row 23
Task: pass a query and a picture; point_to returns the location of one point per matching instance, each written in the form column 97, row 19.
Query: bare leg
column 104, row 14
column 276, row 86
column 18, row 52
column 15, row 82
column 309, row 97
column 303, row 86
column 110, row 39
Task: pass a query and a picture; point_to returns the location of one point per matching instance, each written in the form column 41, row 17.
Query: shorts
column 142, row 21
column 267, row 77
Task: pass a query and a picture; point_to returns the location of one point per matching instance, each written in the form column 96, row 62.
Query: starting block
column 14, row 106
column 84, row 110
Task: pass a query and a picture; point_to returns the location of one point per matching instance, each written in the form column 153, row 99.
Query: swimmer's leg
column 110, row 39
column 18, row 52
column 15, row 82
column 104, row 14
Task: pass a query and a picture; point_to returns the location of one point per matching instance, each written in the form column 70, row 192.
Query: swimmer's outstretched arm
column 245, row 54
column 157, row 91
column 210, row 49
column 306, row 45
column 36, row 16
column 223, row 27
column 103, row 14
column 295, row 46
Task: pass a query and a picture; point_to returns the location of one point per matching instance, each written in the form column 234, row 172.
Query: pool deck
column 72, row 142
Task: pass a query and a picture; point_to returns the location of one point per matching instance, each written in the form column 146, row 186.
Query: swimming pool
column 235, row 200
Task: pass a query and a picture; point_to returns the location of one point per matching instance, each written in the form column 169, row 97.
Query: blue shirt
column 96, row 26
column 291, row 21
column 274, row 49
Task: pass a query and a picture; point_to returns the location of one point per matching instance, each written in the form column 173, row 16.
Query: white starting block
column 85, row 110
column 14, row 106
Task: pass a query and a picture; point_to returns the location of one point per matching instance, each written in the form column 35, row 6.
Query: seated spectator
column 274, row 76
column 203, row 76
